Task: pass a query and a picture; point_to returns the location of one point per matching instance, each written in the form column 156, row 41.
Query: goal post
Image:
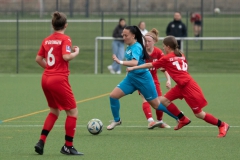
column 177, row 38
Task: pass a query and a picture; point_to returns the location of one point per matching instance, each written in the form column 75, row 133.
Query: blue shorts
column 142, row 82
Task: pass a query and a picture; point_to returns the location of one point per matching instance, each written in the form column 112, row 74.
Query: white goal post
column 178, row 38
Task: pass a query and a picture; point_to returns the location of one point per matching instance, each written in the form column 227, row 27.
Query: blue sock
column 115, row 107
column 164, row 109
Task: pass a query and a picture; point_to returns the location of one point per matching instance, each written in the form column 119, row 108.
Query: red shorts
column 58, row 92
column 158, row 89
column 192, row 94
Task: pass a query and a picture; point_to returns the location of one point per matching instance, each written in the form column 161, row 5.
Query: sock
column 48, row 125
column 150, row 120
column 115, row 107
column 70, row 128
column 159, row 115
column 164, row 109
column 173, row 109
column 212, row 120
column 147, row 110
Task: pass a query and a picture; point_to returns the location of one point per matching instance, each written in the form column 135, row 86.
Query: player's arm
column 146, row 65
column 168, row 83
column 133, row 62
column 68, row 57
column 41, row 61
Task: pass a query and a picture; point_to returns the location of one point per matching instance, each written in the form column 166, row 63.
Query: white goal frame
column 178, row 38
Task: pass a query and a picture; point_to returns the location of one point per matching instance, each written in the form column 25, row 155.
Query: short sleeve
column 136, row 53
column 66, row 46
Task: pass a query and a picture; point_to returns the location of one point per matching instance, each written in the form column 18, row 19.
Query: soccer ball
column 95, row 126
column 216, row 10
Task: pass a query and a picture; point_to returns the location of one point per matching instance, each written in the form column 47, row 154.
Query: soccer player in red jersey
column 155, row 53
column 186, row 87
column 196, row 20
column 53, row 56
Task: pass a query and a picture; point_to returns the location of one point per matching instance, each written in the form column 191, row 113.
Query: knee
column 165, row 101
column 200, row 115
column 72, row 112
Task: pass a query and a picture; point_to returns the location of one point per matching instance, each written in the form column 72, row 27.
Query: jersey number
column 183, row 68
column 50, row 57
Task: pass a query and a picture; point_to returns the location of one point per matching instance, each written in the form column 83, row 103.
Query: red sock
column 159, row 115
column 173, row 109
column 212, row 120
column 70, row 128
column 48, row 125
column 147, row 110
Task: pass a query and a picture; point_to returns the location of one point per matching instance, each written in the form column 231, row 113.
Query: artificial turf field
column 24, row 108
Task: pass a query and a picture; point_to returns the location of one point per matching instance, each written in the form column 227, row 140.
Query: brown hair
column 171, row 42
column 153, row 33
column 58, row 20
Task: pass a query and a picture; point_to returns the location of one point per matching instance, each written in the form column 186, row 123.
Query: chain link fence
column 24, row 24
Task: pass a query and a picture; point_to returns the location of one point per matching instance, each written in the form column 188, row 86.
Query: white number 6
column 184, row 66
column 50, row 57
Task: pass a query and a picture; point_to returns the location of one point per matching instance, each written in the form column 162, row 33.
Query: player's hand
column 168, row 84
column 76, row 49
column 114, row 57
column 162, row 69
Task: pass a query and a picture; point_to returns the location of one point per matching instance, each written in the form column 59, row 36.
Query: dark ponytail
column 139, row 37
column 172, row 43
column 58, row 20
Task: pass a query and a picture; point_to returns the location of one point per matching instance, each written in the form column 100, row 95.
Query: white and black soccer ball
column 95, row 126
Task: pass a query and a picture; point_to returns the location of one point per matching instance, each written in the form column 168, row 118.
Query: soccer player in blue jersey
column 141, row 79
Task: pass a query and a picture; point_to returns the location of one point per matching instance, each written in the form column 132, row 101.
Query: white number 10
column 50, row 57
column 183, row 68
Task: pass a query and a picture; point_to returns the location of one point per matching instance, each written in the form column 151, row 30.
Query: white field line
column 83, row 126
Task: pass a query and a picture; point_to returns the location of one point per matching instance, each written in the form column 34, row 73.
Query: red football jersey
column 156, row 54
column 196, row 17
column 52, row 49
column 175, row 66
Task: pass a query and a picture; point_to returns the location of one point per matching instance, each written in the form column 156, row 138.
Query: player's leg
column 148, row 90
column 171, row 95
column 196, row 34
column 51, row 117
column 148, row 114
column 70, row 129
column 67, row 102
column 194, row 97
column 209, row 118
column 159, row 113
column 122, row 89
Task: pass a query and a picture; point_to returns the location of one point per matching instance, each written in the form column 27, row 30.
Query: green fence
column 21, row 38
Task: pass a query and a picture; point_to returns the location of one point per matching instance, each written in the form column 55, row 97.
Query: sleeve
column 41, row 51
column 161, row 63
column 168, row 29
column 66, row 46
column 136, row 53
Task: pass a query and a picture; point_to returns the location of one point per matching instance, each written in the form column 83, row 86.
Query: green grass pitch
column 24, row 108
